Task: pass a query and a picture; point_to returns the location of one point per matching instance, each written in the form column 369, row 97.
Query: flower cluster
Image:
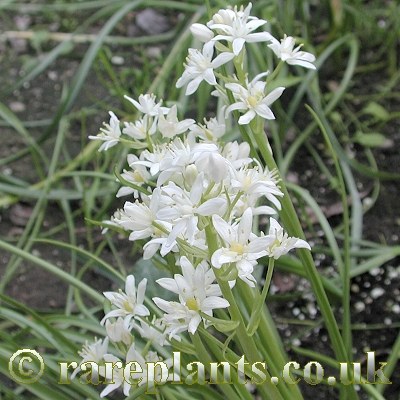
column 188, row 192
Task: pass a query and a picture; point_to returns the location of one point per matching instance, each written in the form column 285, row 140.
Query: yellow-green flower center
column 137, row 176
column 128, row 306
column 191, row 304
column 237, row 248
column 252, row 100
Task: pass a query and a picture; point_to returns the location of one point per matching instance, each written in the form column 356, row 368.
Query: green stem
column 205, row 358
column 275, row 72
column 268, row 390
column 267, row 335
column 293, row 226
column 256, row 314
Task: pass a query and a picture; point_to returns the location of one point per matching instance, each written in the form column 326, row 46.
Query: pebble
column 117, row 60
column 377, row 292
column 396, row 308
column 359, row 306
column 17, row 106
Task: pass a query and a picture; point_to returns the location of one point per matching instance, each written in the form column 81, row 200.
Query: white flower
column 113, row 221
column 177, row 156
column 128, row 304
column 253, row 99
column 196, row 293
column 212, row 129
column 92, row 352
column 201, row 32
column 286, row 52
column 147, row 105
column 139, row 217
column 140, row 128
column 237, row 27
column 214, row 165
column 118, row 332
column 183, row 213
column 279, row 243
column 132, row 379
column 258, row 182
column 110, row 135
column 170, row 126
column 241, row 246
column 237, row 154
column 153, row 331
column 200, row 66
column 138, row 176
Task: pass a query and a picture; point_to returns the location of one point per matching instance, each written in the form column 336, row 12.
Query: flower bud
column 201, row 32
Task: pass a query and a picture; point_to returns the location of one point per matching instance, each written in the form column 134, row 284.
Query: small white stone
column 296, row 342
column 396, row 308
column 377, row 292
column 375, row 272
column 117, row 60
column 359, row 306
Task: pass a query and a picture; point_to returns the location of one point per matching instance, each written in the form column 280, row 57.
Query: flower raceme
column 182, row 184
column 186, row 185
column 229, row 31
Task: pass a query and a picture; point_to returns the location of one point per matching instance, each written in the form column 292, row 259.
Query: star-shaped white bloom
column 279, row 243
column 139, row 217
column 118, row 332
column 237, row 154
column 286, row 51
column 236, row 26
column 153, row 331
column 196, row 291
column 253, row 99
column 185, row 209
column 110, row 134
column 128, row 304
column 152, row 159
column 92, row 352
column 170, row 126
column 140, row 128
column 200, row 67
column 211, row 131
column 147, row 105
column 258, row 182
column 241, row 246
column 121, row 378
column 138, row 175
